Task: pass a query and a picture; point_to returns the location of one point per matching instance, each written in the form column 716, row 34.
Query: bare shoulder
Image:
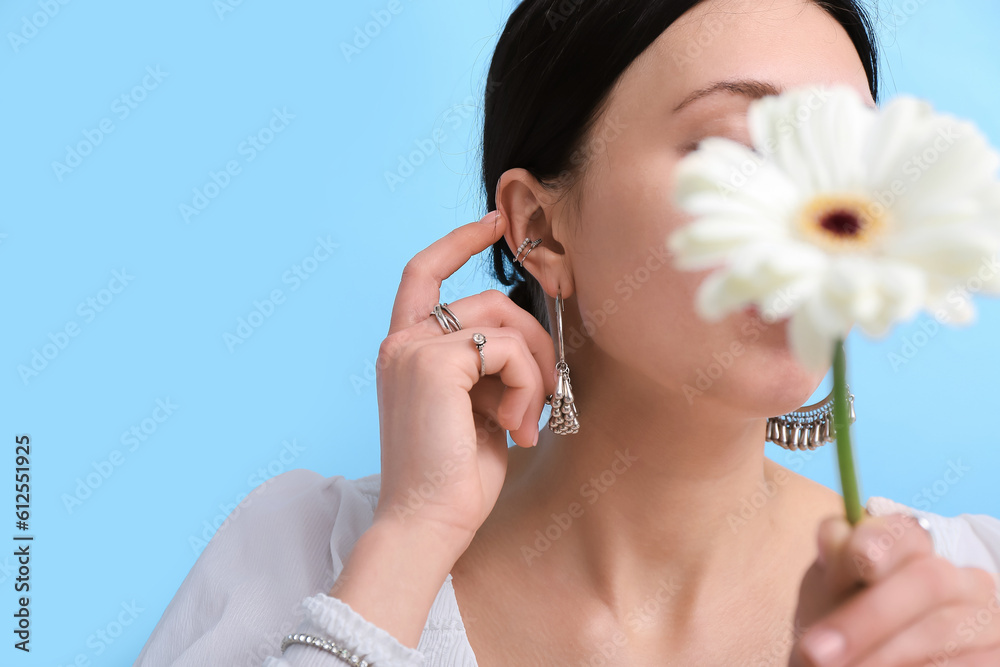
column 808, row 496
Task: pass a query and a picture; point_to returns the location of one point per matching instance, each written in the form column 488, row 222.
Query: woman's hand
column 879, row 596
column 443, row 428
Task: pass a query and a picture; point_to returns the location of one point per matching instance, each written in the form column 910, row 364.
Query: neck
column 652, row 492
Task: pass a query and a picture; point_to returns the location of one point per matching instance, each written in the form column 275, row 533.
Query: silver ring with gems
column 480, row 341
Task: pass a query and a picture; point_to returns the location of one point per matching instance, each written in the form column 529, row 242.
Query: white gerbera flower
column 843, row 213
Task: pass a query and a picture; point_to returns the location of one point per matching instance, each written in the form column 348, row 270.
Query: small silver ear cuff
column 521, row 247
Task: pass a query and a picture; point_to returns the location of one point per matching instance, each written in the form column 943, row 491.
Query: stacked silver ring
column 446, row 318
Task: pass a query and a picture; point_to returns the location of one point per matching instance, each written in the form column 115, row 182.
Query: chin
column 776, row 382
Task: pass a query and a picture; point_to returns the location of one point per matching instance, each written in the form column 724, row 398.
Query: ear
column 532, row 212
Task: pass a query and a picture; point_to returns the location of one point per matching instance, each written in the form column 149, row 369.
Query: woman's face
column 616, row 243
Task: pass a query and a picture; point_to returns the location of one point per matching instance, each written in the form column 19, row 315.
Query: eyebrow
column 751, row 88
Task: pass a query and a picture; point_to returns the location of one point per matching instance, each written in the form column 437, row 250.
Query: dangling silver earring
column 808, row 427
column 563, row 420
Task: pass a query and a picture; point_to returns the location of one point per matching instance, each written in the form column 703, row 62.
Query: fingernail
column 535, row 441
column 823, row 646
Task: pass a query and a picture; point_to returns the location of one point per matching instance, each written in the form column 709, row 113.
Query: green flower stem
column 842, row 426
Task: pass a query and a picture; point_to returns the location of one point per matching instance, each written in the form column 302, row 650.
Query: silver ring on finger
column 446, row 318
column 925, row 523
column 480, row 341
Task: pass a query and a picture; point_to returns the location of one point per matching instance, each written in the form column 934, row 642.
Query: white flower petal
column 934, row 195
column 813, row 133
column 728, row 170
column 951, row 305
column 711, row 240
column 890, row 142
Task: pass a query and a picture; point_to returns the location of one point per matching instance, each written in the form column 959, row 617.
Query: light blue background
column 305, row 376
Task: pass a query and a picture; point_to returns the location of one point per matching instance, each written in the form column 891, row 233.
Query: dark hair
column 550, row 78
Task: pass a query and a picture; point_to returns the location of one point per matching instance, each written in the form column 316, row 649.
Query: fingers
column 420, row 285
column 506, row 354
column 941, row 635
column 919, row 588
column 493, row 308
column 871, row 550
column 486, row 398
column 987, row 658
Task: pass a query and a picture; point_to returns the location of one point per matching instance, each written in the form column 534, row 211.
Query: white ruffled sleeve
column 266, row 573
column 331, row 617
column 967, row 540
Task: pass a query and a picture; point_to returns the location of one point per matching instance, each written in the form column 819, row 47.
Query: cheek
column 623, row 270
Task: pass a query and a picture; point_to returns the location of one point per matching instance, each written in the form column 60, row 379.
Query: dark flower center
column 841, row 223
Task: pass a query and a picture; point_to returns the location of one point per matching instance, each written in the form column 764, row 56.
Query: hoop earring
column 808, row 427
column 563, row 420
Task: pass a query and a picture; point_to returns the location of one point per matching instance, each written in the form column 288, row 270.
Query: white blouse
column 266, row 571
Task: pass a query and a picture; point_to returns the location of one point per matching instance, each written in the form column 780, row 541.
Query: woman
column 620, row 541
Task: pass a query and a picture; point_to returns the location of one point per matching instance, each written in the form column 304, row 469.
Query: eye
column 689, row 147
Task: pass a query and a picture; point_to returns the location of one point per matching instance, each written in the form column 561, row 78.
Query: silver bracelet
column 327, row 645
